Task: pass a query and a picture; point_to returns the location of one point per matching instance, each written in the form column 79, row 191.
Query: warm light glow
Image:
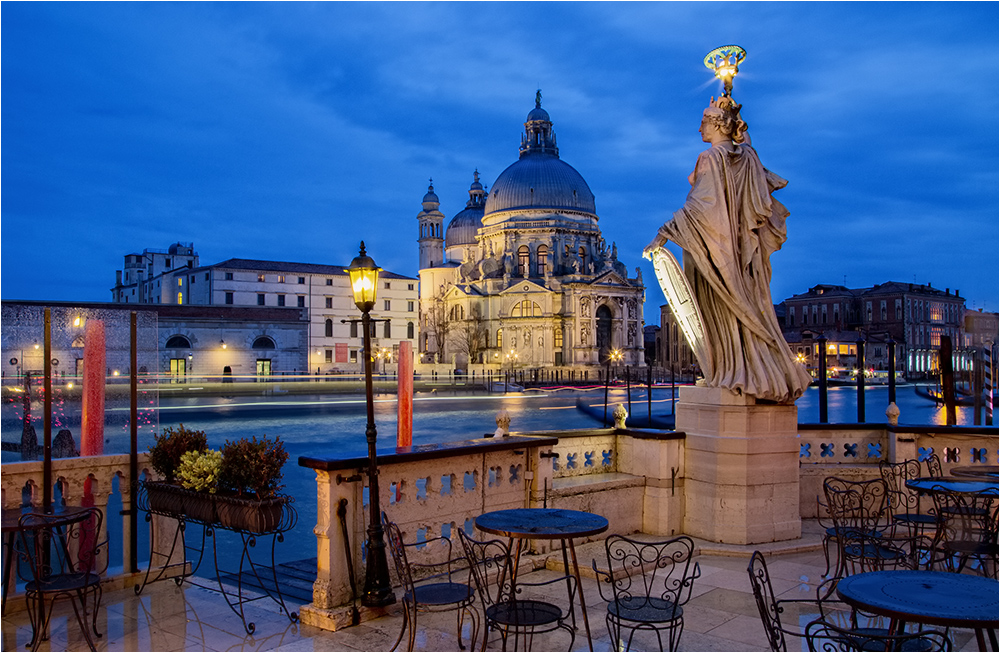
column 725, row 63
column 364, row 280
column 115, row 373
column 222, row 343
column 616, row 355
column 77, row 321
column 70, row 385
column 36, row 345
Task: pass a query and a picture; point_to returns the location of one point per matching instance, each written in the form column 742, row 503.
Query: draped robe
column 728, row 228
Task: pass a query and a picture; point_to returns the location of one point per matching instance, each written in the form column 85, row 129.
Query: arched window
column 523, row 260
column 541, row 258
column 263, row 342
column 583, row 259
column 526, row 308
column 329, row 328
column 499, row 338
column 557, row 340
column 178, row 342
column 457, row 312
column 409, row 330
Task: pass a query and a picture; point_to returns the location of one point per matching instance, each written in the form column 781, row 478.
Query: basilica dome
column 539, row 179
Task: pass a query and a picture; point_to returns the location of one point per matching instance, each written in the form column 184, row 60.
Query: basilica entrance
column 603, row 333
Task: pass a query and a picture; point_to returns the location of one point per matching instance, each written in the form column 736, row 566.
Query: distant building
column 333, row 341
column 673, row 351
column 175, row 343
column 523, row 276
column 913, row 316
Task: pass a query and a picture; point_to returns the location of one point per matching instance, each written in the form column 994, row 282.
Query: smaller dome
column 464, row 227
column 538, row 113
column 431, row 196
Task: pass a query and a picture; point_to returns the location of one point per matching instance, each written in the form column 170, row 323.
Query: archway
column 603, row 333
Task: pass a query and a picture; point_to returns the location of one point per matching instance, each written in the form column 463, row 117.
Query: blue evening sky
column 290, row 131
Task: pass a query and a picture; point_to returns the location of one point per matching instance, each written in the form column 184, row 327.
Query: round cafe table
column 937, row 598
column 525, row 524
column 932, row 484
column 977, row 471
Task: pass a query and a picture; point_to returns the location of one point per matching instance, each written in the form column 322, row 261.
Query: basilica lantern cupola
column 538, row 136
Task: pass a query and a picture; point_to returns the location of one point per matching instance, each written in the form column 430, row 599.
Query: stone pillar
column 742, row 467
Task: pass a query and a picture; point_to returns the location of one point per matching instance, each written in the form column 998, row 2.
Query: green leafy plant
column 170, row 445
column 253, row 466
column 199, row 470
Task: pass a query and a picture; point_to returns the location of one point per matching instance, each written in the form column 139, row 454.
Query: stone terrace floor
column 721, row 616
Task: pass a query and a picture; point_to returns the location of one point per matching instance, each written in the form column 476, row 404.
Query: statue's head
column 724, row 113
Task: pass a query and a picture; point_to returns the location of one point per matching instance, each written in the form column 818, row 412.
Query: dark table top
column 963, row 485
column 977, row 471
column 59, row 516
column 938, row 598
column 542, row 523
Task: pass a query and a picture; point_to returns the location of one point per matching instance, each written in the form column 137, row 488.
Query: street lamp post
column 378, row 588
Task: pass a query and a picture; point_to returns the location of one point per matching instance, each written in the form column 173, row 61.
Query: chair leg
column 82, row 619
column 98, row 595
column 406, row 620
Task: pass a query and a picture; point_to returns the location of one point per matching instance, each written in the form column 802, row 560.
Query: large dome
column 539, row 179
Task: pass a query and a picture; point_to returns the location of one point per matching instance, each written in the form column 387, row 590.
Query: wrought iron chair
column 824, row 636
column 494, row 571
column 433, row 589
column 61, row 558
column 904, row 504
column 858, row 509
column 650, row 583
column 967, row 531
column 933, row 466
column 772, row 608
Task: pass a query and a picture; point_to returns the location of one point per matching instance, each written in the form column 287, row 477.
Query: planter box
column 250, row 515
column 175, row 501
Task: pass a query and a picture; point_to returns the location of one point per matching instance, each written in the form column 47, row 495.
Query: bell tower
column 431, row 238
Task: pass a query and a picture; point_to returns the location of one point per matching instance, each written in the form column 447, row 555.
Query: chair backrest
column 895, row 475
column 490, row 566
column 767, row 605
column 665, row 569
column 933, row 466
column 398, row 552
column 966, row 517
column 824, row 636
column 857, row 505
column 51, row 545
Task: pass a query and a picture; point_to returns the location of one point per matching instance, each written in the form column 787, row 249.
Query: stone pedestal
column 741, row 467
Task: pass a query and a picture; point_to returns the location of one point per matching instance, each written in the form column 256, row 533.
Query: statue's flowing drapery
column 728, row 228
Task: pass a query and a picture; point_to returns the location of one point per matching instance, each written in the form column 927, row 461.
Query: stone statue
column 614, row 251
column 503, row 423
column 620, row 415
column 728, row 228
column 638, row 276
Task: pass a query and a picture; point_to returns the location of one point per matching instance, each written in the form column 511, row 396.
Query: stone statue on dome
column 728, row 228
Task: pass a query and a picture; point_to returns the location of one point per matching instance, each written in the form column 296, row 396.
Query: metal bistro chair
column 904, row 504
column 967, row 531
column 771, row 608
column 429, row 593
column 61, row 559
column 933, row 466
column 493, row 568
column 824, row 636
column 650, row 583
column 859, row 510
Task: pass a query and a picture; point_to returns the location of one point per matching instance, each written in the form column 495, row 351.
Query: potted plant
column 165, row 455
column 198, row 473
column 250, row 476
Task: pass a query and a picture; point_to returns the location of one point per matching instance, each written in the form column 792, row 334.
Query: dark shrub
column 170, row 445
column 253, row 467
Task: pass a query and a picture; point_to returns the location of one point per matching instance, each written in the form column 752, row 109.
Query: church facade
column 522, row 277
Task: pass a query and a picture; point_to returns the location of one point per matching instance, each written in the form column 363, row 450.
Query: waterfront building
column 522, row 276
column 333, row 340
column 673, row 351
column 914, row 316
column 177, row 343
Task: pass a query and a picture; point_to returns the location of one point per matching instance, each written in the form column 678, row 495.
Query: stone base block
column 741, row 466
column 339, row 617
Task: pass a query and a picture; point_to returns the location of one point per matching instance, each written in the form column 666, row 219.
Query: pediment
column 610, row 278
column 524, row 286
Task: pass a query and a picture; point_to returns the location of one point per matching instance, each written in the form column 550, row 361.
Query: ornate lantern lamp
column 725, row 63
column 378, row 588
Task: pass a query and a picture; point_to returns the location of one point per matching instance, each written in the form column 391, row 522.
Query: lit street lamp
column 615, row 355
column 725, row 63
column 378, row 588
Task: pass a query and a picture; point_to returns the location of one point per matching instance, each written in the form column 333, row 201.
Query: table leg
column 6, row 568
column 579, row 588
column 569, row 585
column 981, row 639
